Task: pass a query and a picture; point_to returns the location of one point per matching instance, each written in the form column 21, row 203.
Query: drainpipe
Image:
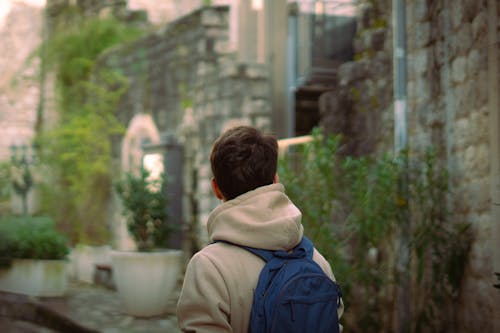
column 292, row 51
column 494, row 110
column 400, row 146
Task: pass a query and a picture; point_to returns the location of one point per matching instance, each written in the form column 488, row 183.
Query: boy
column 218, row 286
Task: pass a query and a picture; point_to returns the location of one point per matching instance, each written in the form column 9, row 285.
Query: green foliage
column 439, row 247
column 353, row 210
column 30, row 238
column 77, row 151
column 5, row 181
column 73, row 52
column 145, row 205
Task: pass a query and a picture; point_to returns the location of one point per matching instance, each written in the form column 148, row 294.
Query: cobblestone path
column 99, row 308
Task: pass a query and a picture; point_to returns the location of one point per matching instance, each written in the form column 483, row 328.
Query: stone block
column 263, row 123
column 479, row 191
column 256, row 71
column 260, row 106
column 422, row 90
column 460, row 134
column 377, row 39
column 210, row 17
column 462, row 41
column 260, row 89
column 420, row 10
column 358, row 46
column 480, row 87
column 476, row 61
column 381, row 65
column 365, row 16
column 472, row 8
column 457, row 14
column 423, row 35
column 223, row 47
column 476, row 161
column 439, row 53
column 421, row 60
column 352, row 71
column 228, row 68
column 479, row 25
column 459, row 70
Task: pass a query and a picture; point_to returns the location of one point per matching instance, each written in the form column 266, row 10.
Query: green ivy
column 77, row 151
column 353, row 210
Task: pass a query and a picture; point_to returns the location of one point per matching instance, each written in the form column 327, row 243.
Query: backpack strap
column 303, row 249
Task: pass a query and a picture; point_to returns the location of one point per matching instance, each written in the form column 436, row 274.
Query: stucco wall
column 20, row 35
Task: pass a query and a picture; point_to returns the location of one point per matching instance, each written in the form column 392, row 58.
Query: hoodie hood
column 263, row 218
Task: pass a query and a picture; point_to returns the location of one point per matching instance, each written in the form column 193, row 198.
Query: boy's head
column 242, row 159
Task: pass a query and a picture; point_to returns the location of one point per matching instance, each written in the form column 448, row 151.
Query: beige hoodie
column 218, row 286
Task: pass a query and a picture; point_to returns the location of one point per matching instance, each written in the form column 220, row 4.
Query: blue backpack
column 293, row 293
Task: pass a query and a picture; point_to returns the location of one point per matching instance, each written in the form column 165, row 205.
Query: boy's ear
column 216, row 189
column 276, row 179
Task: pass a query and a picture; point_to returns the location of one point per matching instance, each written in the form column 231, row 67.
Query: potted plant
column 32, row 257
column 146, row 278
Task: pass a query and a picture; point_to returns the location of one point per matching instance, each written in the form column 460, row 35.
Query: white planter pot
column 42, row 278
column 145, row 280
column 84, row 258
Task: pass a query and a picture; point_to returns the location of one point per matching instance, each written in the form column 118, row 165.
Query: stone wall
column 447, row 87
column 449, row 107
column 185, row 77
column 360, row 105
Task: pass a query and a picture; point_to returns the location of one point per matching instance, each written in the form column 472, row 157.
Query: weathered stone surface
column 352, row 71
column 448, row 107
column 421, row 60
column 458, row 14
column 211, row 17
column 459, row 70
column 423, row 35
column 479, row 25
column 476, row 61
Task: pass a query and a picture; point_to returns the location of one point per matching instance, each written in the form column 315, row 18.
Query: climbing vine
column 77, row 150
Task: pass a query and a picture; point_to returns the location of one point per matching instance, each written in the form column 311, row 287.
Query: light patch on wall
column 4, row 10
column 154, row 164
column 257, row 4
column 328, row 7
column 6, row 6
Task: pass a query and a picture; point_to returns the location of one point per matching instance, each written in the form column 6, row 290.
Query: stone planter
column 145, row 280
column 41, row 278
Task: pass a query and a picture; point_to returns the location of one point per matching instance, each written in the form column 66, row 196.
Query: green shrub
column 30, row 238
column 354, row 210
column 145, row 205
column 5, row 181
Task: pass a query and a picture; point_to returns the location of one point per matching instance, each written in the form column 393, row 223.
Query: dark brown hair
column 242, row 159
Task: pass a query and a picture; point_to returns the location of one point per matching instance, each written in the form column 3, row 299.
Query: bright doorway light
column 257, row 4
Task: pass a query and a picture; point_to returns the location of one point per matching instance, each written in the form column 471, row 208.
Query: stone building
column 286, row 67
